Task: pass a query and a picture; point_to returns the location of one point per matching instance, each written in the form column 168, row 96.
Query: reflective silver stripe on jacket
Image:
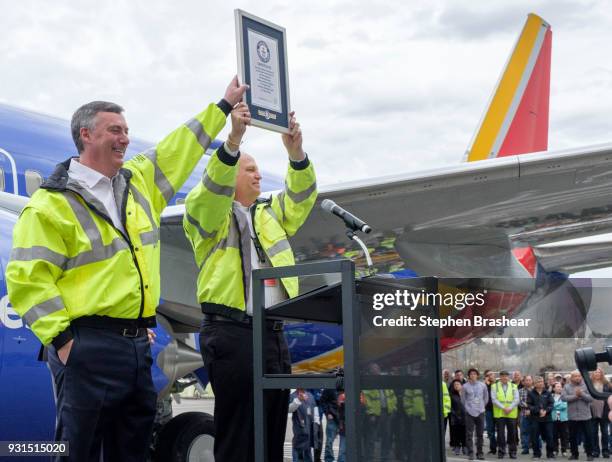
column 301, row 196
column 148, row 237
column 203, row 233
column 160, row 179
column 245, row 246
column 216, row 188
column 281, row 245
column 97, row 254
column 85, row 219
column 277, row 248
column 38, row 252
column 231, row 240
column 198, row 130
column 43, row 309
column 281, row 202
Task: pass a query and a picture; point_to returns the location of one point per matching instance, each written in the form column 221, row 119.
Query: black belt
column 247, row 320
column 124, row 327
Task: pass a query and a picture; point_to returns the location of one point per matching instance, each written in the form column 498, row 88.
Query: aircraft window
column 2, row 186
column 33, row 181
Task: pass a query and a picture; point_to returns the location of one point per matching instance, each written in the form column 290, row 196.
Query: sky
column 379, row 87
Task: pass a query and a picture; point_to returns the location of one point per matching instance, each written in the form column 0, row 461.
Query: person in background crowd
column 457, row 419
column 489, row 420
column 559, row 378
column 446, row 377
column 305, row 415
column 550, row 381
column 331, row 409
column 459, row 376
column 505, row 409
column 517, row 379
column 316, row 393
column 559, row 417
column 541, row 403
column 446, row 404
column 445, row 398
column 579, row 414
column 599, row 412
column 525, row 421
column 474, row 396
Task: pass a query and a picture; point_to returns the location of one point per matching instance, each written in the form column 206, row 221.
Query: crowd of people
column 552, row 415
column 308, row 409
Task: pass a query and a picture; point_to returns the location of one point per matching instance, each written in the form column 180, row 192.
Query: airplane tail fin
column 516, row 119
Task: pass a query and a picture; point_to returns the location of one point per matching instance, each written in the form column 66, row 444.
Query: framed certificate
column 262, row 64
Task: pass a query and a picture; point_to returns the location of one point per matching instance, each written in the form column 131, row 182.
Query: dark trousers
column 457, row 435
column 560, row 432
column 506, row 432
column 541, row 430
column 227, row 350
column 106, row 401
column 474, row 423
column 490, row 424
column 600, row 425
column 584, row 429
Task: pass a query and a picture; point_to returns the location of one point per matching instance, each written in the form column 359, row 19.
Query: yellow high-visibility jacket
column 446, row 400
column 373, row 401
column 69, row 260
column 214, row 232
column 505, row 398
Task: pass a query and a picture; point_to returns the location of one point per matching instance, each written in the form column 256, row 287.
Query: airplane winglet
column 516, row 119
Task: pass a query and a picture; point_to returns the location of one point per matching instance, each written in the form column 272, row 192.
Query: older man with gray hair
column 579, row 414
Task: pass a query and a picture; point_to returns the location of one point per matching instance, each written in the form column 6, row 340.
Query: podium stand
column 392, row 378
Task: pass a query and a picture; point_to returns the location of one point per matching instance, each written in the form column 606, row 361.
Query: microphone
column 351, row 221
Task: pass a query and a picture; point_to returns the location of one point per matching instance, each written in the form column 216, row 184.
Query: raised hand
column 234, row 92
column 293, row 139
column 241, row 117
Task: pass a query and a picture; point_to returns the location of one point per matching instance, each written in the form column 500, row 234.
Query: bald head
column 248, row 185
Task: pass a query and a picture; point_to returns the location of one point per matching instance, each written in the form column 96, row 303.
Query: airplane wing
column 494, row 218
column 12, row 203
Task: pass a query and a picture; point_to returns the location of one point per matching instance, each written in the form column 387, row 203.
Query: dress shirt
column 100, row 186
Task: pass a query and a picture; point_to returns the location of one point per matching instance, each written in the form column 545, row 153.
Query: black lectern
column 392, row 378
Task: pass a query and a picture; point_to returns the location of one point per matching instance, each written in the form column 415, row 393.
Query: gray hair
column 84, row 117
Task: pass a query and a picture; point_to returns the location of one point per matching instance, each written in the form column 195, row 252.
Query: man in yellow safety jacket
column 84, row 273
column 232, row 232
column 505, row 398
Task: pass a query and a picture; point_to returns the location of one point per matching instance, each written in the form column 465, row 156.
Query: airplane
column 507, row 212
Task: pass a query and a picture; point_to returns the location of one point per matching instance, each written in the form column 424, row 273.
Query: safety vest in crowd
column 68, row 258
column 216, row 235
column 505, row 399
column 374, row 401
column 414, row 403
column 446, row 400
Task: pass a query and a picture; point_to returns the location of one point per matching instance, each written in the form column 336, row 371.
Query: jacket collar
column 59, row 178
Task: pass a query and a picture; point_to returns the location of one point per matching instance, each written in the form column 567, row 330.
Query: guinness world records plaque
column 262, row 64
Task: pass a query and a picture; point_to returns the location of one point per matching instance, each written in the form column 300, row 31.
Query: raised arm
column 165, row 167
column 295, row 202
